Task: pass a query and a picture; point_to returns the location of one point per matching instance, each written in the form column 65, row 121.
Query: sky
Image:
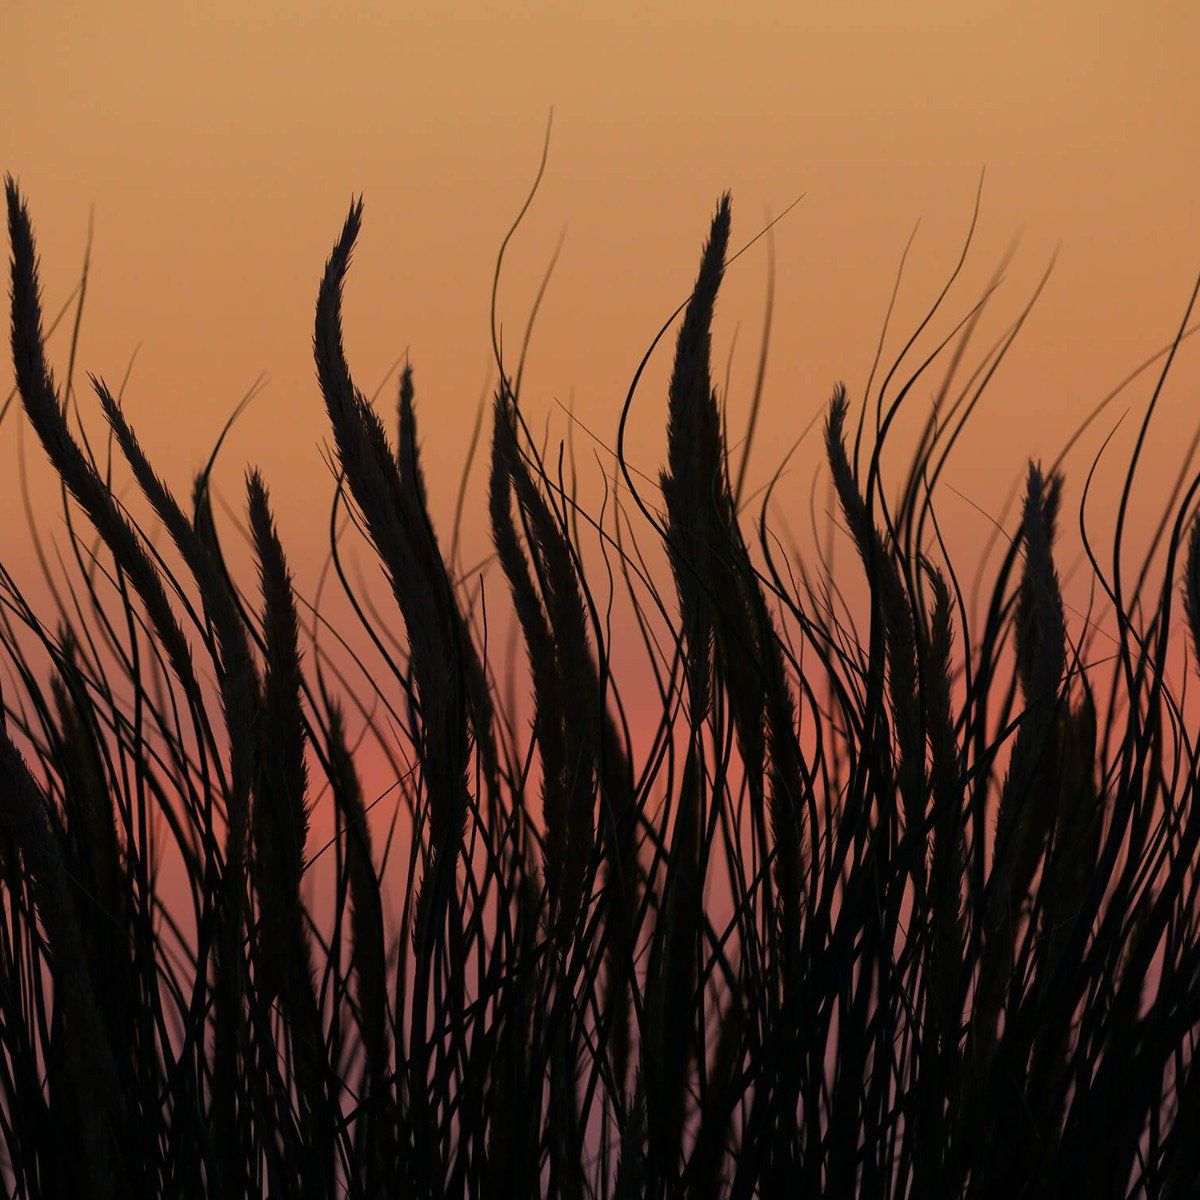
column 217, row 146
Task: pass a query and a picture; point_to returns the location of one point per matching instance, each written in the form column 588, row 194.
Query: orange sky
column 219, row 144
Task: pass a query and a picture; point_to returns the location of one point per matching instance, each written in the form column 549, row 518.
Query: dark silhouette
column 901, row 909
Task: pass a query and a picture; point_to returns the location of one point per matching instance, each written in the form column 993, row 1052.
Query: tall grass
column 905, row 906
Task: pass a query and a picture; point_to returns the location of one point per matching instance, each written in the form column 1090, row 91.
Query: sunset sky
column 219, row 145
column 623, row 848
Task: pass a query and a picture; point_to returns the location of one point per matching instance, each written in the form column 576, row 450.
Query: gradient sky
column 219, row 145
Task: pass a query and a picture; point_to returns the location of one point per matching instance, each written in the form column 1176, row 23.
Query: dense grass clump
column 897, row 907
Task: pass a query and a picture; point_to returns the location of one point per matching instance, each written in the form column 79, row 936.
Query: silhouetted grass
column 907, row 908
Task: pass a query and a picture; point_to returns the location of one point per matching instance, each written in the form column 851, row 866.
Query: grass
column 901, row 908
